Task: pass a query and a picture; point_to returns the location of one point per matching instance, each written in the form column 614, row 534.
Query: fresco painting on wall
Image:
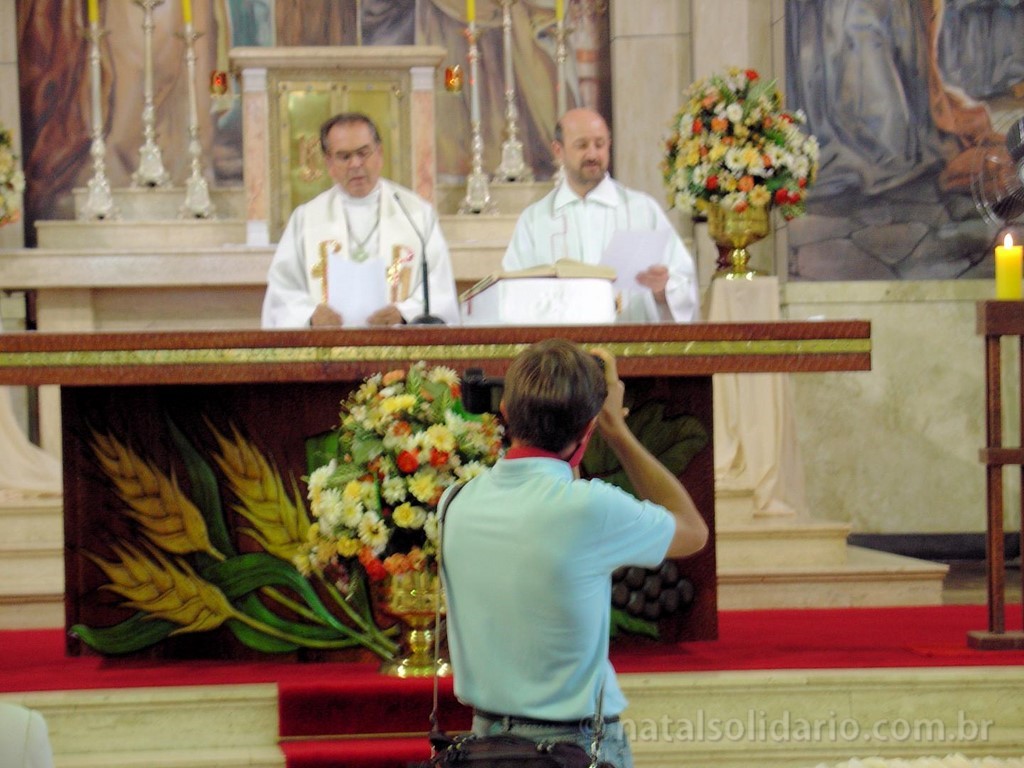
column 55, row 88
column 905, row 97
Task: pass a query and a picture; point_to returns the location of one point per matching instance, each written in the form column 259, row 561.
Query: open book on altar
column 564, row 293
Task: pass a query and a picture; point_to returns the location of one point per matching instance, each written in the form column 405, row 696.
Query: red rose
column 711, row 183
column 438, row 458
column 698, row 126
column 752, row 74
column 374, row 567
column 408, row 461
column 781, row 196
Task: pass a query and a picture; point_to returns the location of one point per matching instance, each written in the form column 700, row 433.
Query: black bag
column 506, row 751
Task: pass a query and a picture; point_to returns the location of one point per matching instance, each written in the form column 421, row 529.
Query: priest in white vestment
column 579, row 217
column 363, row 217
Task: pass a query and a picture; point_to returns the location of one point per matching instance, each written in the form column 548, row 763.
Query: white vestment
column 24, row 738
column 294, row 287
column 563, row 225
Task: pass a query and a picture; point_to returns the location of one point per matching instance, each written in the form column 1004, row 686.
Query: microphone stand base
column 427, row 320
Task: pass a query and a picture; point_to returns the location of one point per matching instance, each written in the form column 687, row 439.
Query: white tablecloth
column 25, row 468
column 756, row 449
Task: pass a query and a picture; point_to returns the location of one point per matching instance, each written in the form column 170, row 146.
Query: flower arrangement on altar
column 12, row 180
column 733, row 145
column 404, row 438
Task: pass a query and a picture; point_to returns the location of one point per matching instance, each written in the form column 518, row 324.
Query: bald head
column 583, row 145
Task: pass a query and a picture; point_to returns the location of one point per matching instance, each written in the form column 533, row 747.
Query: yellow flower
column 760, row 196
column 423, row 485
column 397, row 403
column 440, row 437
column 353, row 491
column 408, row 516
column 348, row 547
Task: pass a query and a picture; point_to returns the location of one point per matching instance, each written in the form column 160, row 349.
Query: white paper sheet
column 356, row 289
column 632, row 251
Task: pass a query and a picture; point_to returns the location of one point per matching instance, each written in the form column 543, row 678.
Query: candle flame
column 1008, row 241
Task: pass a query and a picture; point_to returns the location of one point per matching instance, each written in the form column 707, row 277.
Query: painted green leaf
column 129, row 636
column 674, row 441
column 245, row 574
column 623, row 622
column 203, row 490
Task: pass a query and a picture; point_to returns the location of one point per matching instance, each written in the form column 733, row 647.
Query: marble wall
column 895, row 450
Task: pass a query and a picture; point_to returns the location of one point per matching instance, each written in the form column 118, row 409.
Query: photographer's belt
column 516, row 720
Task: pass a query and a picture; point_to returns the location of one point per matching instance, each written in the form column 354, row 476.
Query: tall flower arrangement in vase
column 12, row 180
column 733, row 145
column 404, row 438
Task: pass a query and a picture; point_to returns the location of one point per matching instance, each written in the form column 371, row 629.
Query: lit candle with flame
column 559, row 10
column 470, row 11
column 186, row 11
column 1008, row 269
column 94, row 11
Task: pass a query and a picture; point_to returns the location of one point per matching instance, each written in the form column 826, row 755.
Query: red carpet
column 351, row 701
column 34, row 660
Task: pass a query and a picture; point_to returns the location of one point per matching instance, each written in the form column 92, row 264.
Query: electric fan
column 997, row 184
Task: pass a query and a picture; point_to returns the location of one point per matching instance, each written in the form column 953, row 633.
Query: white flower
column 328, row 507
column 319, row 477
column 351, row 513
column 430, row 527
column 373, row 532
column 394, row 490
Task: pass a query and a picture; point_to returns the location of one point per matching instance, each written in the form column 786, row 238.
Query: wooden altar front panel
column 278, row 388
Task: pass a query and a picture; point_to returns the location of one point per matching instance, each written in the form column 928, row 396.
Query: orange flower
column 746, row 183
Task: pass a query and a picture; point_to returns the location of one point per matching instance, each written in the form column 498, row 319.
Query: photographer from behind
column 529, row 549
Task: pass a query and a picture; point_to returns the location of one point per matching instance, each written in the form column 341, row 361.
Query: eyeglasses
column 364, row 153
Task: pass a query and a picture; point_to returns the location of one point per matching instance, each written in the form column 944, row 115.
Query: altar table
column 157, row 392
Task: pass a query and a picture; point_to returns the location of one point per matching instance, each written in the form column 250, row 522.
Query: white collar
column 605, row 193
column 372, row 199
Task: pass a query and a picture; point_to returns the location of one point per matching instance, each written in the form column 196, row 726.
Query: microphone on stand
column 426, row 318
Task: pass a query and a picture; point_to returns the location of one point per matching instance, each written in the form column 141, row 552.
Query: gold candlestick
column 99, row 202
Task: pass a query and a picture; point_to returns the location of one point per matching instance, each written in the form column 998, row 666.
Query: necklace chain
column 359, row 253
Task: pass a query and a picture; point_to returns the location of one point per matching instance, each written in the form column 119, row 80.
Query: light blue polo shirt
column 528, row 557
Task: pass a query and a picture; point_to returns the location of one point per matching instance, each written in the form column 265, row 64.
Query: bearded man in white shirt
column 578, row 218
column 367, row 217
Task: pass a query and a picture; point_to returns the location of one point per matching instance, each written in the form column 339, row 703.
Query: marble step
column 149, row 203
column 125, row 234
column 863, row 578
column 781, row 543
column 670, row 717
column 227, row 726
column 31, row 563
